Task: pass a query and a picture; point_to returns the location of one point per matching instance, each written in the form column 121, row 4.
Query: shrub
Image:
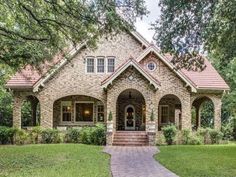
column 195, row 139
column 85, row 135
column 169, row 133
column 227, row 131
column 21, row 137
column 50, row 136
column 234, row 127
column 98, row 135
column 72, row 136
column 204, row 132
column 35, row 134
column 186, row 136
column 6, row 135
column 215, row 136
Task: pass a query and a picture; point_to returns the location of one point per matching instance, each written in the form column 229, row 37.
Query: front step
column 130, row 138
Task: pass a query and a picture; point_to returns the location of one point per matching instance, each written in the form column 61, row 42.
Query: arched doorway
column 130, row 111
column 202, row 113
column 169, row 111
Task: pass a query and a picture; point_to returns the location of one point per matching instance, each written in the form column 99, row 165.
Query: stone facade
column 72, row 82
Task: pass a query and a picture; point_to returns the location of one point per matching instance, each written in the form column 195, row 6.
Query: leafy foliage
column 50, row 136
column 169, row 132
column 32, row 31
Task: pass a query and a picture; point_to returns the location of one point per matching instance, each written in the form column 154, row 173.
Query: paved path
column 136, row 162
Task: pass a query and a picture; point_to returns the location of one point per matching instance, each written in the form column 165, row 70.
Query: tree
column 188, row 27
column 32, row 31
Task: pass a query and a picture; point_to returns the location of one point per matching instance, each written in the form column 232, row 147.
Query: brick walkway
column 136, row 162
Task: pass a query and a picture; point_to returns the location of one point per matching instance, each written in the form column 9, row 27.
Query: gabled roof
column 130, row 62
column 208, row 79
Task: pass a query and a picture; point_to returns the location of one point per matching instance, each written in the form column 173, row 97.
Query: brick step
column 130, row 140
column 129, row 144
column 130, row 137
column 131, row 132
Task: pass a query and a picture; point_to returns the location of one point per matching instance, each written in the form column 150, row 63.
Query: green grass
column 195, row 161
column 54, row 160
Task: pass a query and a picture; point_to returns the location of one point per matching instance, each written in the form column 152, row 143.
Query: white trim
column 94, row 64
column 129, row 128
column 161, row 114
column 100, row 104
column 114, row 58
column 152, row 48
column 123, row 68
column 83, row 122
column 104, row 59
column 140, row 38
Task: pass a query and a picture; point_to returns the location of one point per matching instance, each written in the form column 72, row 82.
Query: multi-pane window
column 110, row 64
column 84, row 112
column 164, row 113
column 66, row 111
column 100, row 65
column 100, row 113
column 90, row 65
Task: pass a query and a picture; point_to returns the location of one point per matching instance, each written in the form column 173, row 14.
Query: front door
column 129, row 117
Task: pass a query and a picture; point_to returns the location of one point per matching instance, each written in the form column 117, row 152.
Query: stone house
column 125, row 78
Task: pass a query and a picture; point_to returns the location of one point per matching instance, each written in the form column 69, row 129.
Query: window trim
column 84, row 122
column 111, row 57
column 168, row 114
column 94, row 66
column 66, row 103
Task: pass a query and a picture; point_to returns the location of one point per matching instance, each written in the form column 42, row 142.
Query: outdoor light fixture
column 86, row 112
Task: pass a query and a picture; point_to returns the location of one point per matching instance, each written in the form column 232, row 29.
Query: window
column 100, row 113
column 66, row 111
column 164, row 112
column 90, row 65
column 110, row 64
column 151, row 66
column 100, row 65
column 84, row 111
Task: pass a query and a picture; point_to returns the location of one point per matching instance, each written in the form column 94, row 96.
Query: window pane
column 100, row 65
column 164, row 114
column 90, row 65
column 110, row 64
column 84, row 112
column 66, row 113
column 100, row 113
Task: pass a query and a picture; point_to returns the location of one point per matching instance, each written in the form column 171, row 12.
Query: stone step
column 127, row 140
column 130, row 137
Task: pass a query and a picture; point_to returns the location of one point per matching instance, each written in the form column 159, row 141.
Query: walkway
column 136, row 162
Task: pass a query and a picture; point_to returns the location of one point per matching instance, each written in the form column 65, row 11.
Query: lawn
column 195, row 161
column 54, row 160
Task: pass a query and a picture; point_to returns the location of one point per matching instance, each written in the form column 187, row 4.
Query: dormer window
column 100, row 65
column 110, row 64
column 90, row 65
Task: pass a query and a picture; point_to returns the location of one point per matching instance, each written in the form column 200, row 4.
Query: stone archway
column 131, row 111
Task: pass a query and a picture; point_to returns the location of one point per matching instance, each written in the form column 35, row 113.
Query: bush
column 195, row 139
column 227, row 131
column 6, row 135
column 216, row 136
column 169, row 132
column 21, row 137
column 204, row 132
column 98, row 135
column 72, row 136
column 50, row 136
column 85, row 135
column 186, row 136
column 35, row 134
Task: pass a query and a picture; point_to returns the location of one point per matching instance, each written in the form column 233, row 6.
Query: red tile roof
column 208, row 79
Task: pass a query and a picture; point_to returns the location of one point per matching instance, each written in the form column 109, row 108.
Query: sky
column 143, row 26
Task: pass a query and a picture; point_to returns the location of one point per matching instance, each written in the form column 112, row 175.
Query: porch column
column 111, row 114
column 198, row 117
column 34, row 104
column 17, row 111
column 217, row 113
column 186, row 113
column 46, row 108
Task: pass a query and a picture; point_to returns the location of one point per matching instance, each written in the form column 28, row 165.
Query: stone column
column 46, row 108
column 111, row 124
column 17, row 111
column 34, row 104
column 186, row 113
column 198, row 117
column 217, row 113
